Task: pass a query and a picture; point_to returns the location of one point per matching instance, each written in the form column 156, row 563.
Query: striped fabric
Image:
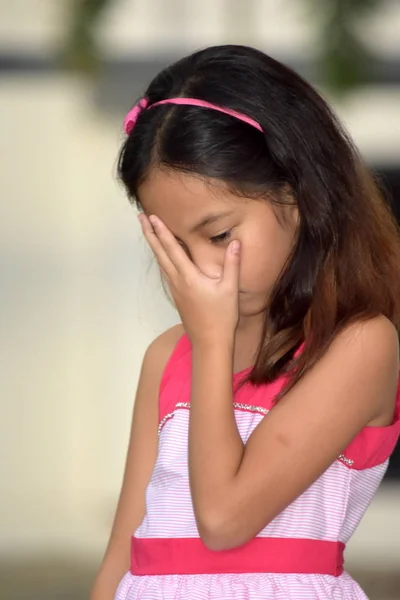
column 329, row 510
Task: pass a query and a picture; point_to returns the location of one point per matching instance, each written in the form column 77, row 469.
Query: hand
column 209, row 308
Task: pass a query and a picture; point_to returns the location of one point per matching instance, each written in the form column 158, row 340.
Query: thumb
column 231, row 270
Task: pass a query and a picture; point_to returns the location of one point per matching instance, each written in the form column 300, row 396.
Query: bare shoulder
column 370, row 349
column 374, row 341
column 160, row 349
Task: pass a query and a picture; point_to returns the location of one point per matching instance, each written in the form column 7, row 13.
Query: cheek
column 263, row 257
column 255, row 265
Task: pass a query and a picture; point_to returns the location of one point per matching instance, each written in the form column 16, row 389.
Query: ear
column 289, row 215
column 294, row 217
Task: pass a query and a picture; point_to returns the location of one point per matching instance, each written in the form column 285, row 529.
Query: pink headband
column 134, row 113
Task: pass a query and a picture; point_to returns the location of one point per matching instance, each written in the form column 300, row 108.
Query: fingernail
column 235, row 247
column 153, row 220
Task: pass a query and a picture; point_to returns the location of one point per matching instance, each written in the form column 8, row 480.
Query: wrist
column 213, row 344
column 213, row 354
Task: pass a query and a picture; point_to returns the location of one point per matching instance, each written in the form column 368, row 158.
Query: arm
column 141, row 456
column 354, row 384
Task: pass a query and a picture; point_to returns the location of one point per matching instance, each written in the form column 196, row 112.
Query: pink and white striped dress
column 297, row 556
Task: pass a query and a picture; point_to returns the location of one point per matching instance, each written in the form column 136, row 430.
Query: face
column 204, row 217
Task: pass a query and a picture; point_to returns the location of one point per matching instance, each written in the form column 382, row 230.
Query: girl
column 277, row 401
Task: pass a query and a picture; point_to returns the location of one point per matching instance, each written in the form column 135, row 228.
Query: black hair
column 346, row 262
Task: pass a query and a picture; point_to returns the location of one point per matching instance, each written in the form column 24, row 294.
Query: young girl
column 264, row 423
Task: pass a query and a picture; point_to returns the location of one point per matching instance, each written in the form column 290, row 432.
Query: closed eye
column 185, row 248
column 221, row 238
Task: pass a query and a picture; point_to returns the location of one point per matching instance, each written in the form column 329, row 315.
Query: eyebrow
column 210, row 218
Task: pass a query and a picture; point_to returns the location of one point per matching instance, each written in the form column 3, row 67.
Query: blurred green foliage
column 81, row 52
column 343, row 59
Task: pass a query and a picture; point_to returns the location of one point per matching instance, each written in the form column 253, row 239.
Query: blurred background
column 80, row 300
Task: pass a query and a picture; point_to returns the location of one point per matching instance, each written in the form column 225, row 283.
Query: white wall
column 75, row 315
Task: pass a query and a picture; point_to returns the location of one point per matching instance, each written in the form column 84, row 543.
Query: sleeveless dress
column 297, row 556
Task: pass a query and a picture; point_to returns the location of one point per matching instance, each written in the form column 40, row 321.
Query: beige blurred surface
column 79, row 306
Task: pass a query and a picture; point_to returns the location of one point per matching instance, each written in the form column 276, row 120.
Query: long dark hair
column 346, row 263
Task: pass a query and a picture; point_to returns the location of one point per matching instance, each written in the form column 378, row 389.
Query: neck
column 247, row 340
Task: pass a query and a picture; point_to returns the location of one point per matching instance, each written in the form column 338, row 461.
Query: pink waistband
column 167, row 556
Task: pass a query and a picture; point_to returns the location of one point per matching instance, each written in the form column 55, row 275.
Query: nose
column 208, row 262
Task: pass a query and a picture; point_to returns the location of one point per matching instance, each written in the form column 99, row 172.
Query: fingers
column 170, row 255
column 163, row 259
column 230, row 275
column 173, row 260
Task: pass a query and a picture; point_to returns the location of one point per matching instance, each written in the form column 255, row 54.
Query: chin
column 250, row 311
column 249, row 306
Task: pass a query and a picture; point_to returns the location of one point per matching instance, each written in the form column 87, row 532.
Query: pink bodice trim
column 371, row 447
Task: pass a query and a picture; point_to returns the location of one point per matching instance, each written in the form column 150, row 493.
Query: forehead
column 180, row 199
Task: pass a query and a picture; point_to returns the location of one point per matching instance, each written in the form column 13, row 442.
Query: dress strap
column 176, row 372
column 373, row 445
